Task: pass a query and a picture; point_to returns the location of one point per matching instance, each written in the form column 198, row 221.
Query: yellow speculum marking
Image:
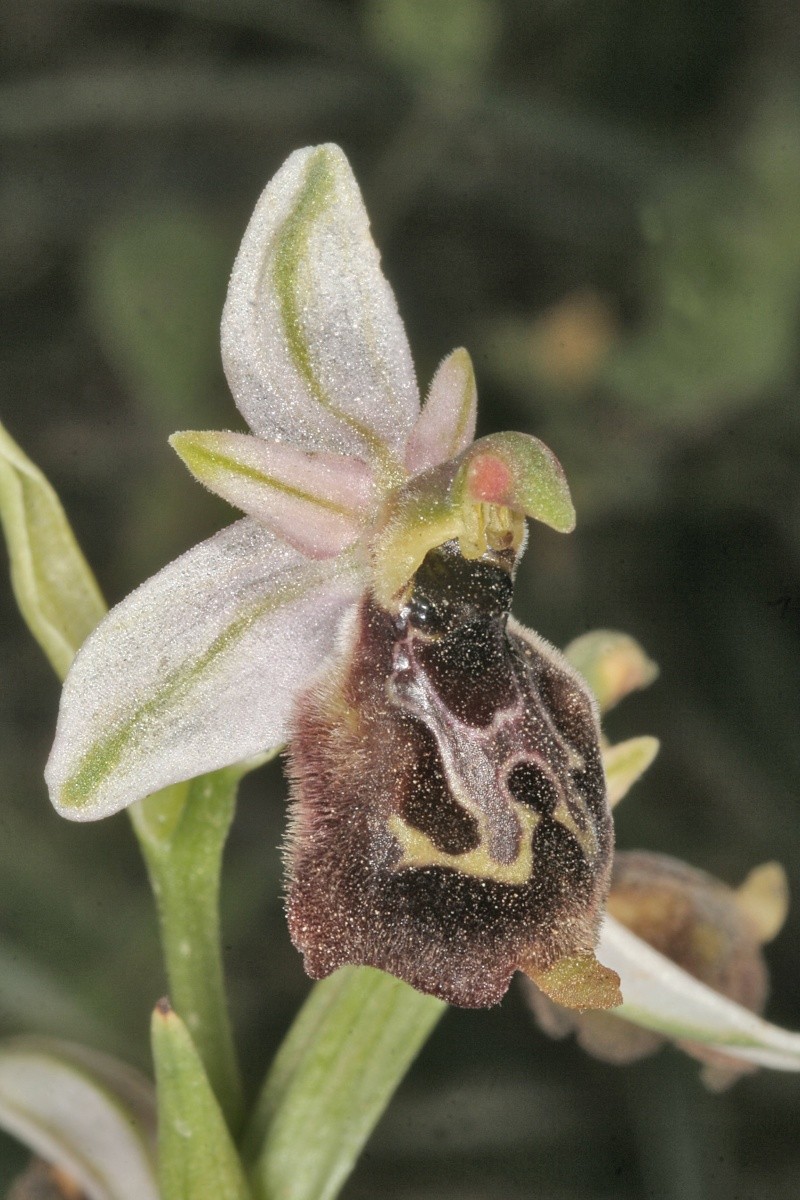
column 419, row 851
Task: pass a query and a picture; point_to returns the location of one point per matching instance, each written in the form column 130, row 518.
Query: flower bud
column 613, row 664
column 712, row 931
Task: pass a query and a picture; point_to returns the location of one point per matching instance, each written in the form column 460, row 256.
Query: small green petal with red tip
column 505, row 473
column 516, row 471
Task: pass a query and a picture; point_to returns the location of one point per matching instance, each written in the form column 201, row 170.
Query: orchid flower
column 450, row 822
column 688, row 948
column 450, row 818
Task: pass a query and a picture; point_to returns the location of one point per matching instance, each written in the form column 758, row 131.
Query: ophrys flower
column 450, row 822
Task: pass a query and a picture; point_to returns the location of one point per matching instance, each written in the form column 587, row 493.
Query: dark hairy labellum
column 450, row 822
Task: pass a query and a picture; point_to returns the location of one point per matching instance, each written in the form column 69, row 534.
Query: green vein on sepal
column 316, row 196
column 108, row 751
column 209, row 465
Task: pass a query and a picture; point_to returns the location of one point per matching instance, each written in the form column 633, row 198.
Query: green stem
column 182, row 832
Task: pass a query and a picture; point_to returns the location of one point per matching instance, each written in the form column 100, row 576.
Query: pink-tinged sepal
column 446, row 425
column 449, row 824
column 317, row 502
column 312, row 343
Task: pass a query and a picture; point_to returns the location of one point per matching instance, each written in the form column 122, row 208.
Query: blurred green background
column 601, row 202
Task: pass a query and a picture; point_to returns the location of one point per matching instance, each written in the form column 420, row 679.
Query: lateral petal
column 625, row 763
column 446, row 425
column 195, row 670
column 316, row 502
column 312, row 343
column 661, row 996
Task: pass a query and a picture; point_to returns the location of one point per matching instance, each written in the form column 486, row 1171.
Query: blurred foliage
column 601, row 202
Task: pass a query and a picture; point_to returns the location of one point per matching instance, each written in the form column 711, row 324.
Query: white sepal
column 196, row 669
column 312, row 343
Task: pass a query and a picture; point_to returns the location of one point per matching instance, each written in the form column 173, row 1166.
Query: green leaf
column 197, row 1159
column 83, row 1111
column 55, row 589
column 341, row 1062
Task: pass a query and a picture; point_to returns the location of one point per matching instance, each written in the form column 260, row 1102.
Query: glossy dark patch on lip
column 471, row 671
column 450, row 591
column 530, row 785
column 426, row 803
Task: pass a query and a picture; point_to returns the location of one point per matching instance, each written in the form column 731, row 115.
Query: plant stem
column 182, row 832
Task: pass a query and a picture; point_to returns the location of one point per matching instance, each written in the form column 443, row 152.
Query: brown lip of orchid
column 352, row 496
